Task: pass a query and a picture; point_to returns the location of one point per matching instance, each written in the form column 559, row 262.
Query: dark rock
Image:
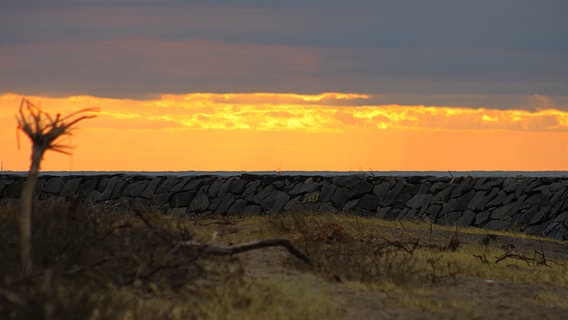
column 161, row 199
column 176, row 212
column 118, row 188
column 505, row 212
column 194, row 184
column 349, row 182
column 182, row 199
column 443, row 195
column 264, row 193
column 136, row 188
column 482, row 218
column 369, row 202
column 498, row 225
column 511, row 184
column 250, row 190
column 527, row 215
column 199, row 203
column 3, row 183
column 87, row 187
column 460, row 203
column 351, row 205
column 327, row 207
column 534, row 200
column 54, row 185
column 382, row 213
column 252, row 210
column 433, row 212
column 478, row 201
column 326, row 192
column 419, row 201
column 382, row 188
column 495, row 182
column 71, row 187
column 238, row 206
column 293, row 204
column 340, row 197
column 180, row 185
column 238, row 186
column 302, row 188
column 275, row 202
column 463, row 187
column 467, row 218
column 215, row 187
column 151, row 188
column 168, row 183
column 226, row 203
column 501, row 198
column 390, row 197
column 437, row 187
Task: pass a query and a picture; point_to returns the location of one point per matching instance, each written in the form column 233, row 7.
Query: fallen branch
column 230, row 250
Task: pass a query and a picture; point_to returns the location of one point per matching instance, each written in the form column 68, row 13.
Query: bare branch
column 230, row 250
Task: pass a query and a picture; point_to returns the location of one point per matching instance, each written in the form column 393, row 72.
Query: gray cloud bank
column 498, row 53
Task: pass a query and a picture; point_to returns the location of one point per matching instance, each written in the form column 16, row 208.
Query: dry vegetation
column 95, row 263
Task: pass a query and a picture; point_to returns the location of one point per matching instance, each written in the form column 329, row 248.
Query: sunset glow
column 265, row 131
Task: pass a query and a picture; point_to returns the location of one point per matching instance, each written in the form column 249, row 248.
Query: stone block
column 238, row 206
column 151, row 188
column 225, row 204
column 302, row 188
column 382, row 188
column 369, row 202
column 482, row 218
column 293, row 204
column 161, row 199
column 167, row 184
column 264, row 193
column 251, row 190
column 71, row 187
column 351, row 205
column 199, row 203
column 136, row 188
column 275, row 201
column 419, row 201
column 238, row 186
column 53, row 185
column 382, row 213
column 327, row 207
column 88, row 185
column 180, row 184
column 467, row 218
column 182, row 199
column 176, row 212
column 326, row 191
column 498, row 225
column 340, row 197
column 348, row 182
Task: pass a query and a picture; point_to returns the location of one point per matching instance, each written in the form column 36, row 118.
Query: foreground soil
column 104, row 264
column 459, row 296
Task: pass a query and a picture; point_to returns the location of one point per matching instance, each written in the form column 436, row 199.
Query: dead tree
column 44, row 132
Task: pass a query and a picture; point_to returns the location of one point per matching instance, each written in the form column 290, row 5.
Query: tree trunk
column 26, row 214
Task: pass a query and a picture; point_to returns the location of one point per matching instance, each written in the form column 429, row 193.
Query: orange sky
column 266, row 131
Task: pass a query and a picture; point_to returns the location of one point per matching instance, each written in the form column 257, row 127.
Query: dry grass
column 95, row 263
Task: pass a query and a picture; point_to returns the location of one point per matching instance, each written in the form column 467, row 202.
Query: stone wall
column 537, row 206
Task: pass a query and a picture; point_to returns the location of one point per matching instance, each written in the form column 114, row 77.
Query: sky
column 291, row 85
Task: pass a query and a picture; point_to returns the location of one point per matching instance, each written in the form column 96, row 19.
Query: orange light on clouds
column 269, row 131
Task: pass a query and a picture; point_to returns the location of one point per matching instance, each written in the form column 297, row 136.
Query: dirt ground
column 464, row 297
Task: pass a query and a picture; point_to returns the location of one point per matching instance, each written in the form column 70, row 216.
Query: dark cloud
column 422, row 48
